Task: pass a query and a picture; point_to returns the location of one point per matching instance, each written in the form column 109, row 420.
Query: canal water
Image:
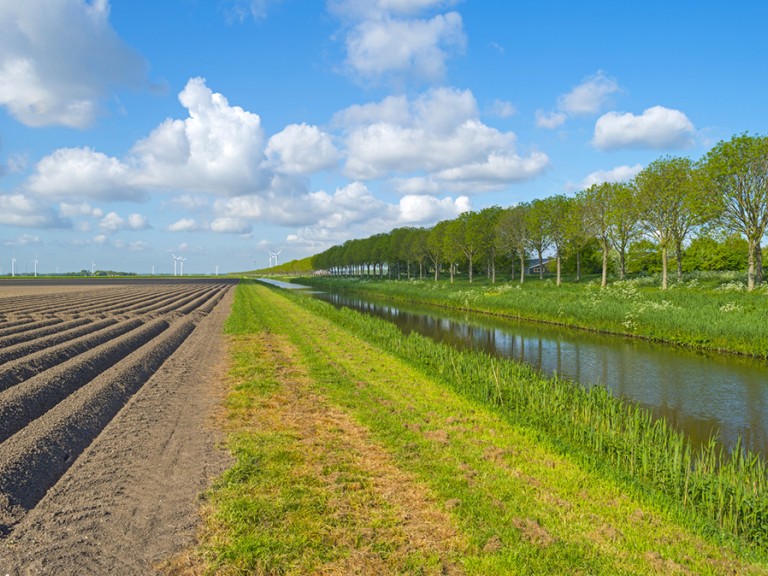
column 701, row 394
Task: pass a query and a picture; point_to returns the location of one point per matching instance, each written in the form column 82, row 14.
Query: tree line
column 669, row 202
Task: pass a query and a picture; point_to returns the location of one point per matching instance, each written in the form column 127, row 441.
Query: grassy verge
column 702, row 313
column 352, row 459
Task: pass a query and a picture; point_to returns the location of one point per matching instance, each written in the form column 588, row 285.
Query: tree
column 597, row 203
column 623, row 220
column 537, row 226
column 512, row 234
column 577, row 231
column 453, row 239
column 557, row 209
column 666, row 198
column 738, row 169
column 436, row 246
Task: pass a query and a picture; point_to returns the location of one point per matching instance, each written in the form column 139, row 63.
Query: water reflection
column 695, row 392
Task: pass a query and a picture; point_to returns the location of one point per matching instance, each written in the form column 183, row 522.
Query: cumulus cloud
column 24, row 240
column 301, row 149
column 77, row 173
column 386, row 38
column 113, row 222
column 438, row 133
column 587, row 98
column 242, row 9
column 184, row 225
column 657, row 128
column 231, row 225
column 502, row 109
column 218, row 147
column 60, row 59
column 617, row 174
column 550, row 120
column 21, row 210
column 68, row 210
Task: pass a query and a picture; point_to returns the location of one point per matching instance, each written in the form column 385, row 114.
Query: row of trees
column 668, row 202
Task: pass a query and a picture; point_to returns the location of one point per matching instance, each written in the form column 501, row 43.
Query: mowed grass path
column 350, row 461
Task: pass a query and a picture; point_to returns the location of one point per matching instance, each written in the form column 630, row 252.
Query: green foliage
column 733, row 492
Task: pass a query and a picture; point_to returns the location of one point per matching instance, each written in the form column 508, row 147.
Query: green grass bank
column 360, row 451
column 707, row 311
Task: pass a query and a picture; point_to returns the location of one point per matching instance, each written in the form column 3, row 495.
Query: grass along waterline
column 701, row 313
column 510, row 501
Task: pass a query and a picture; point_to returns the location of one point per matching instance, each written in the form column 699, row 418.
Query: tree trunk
column 664, row 261
column 541, row 265
column 759, row 264
column 452, row 267
column 751, row 268
column 522, row 268
column 470, row 269
column 622, row 263
column 578, row 266
column 558, row 268
column 604, row 281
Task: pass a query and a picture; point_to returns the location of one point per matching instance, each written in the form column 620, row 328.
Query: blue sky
column 220, row 130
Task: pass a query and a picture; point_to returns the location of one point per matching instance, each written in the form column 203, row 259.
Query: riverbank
column 360, row 451
column 711, row 312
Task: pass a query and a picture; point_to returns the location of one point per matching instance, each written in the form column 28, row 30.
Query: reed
column 730, row 490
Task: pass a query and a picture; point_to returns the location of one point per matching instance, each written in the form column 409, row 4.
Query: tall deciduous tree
column 597, row 203
column 739, row 171
column 623, row 220
column 557, row 209
column 537, row 225
column 664, row 196
column 512, row 234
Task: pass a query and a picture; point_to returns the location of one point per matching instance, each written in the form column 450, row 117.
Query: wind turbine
column 270, row 257
column 13, row 266
column 174, row 263
column 35, row 261
column 93, row 267
column 181, row 265
column 274, row 255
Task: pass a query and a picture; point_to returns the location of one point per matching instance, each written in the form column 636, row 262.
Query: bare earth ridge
column 105, row 479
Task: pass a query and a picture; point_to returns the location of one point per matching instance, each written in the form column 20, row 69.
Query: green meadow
column 707, row 311
column 358, row 450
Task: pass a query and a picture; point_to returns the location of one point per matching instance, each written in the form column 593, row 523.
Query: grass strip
column 715, row 314
column 312, row 402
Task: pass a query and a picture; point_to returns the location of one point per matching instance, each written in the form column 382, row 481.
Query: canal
column 700, row 394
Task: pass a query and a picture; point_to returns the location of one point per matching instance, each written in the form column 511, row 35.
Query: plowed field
column 105, row 388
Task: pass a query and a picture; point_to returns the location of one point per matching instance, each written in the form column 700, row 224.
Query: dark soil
column 106, row 480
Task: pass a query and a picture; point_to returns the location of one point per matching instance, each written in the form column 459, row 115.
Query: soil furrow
column 51, row 328
column 36, row 457
column 21, row 330
column 28, row 366
column 69, row 331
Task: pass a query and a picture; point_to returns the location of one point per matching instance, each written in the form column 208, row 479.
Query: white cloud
column 113, row 222
column 550, row 120
column 75, row 173
column 184, row 225
column 419, row 209
column 617, row 174
column 388, row 38
column 588, row 98
column 217, row 148
column 502, row 109
column 21, row 210
column 231, row 225
column 241, row 9
column 24, row 240
column 438, row 133
column 301, row 149
column 68, row 210
column 657, row 128
column 59, row 59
